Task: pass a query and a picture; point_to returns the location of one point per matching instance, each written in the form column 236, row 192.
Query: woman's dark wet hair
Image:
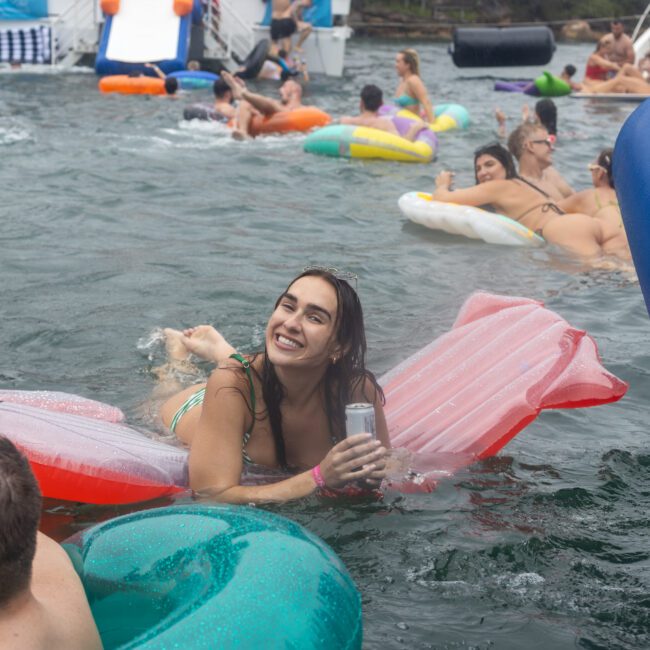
column 605, row 161
column 499, row 152
column 342, row 377
column 546, row 111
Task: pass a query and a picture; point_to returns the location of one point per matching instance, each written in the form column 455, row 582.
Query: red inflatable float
column 461, row 398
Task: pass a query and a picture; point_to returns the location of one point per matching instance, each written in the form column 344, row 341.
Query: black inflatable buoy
column 203, row 112
column 255, row 60
column 483, row 47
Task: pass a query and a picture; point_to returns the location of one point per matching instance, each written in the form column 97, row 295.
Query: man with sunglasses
column 531, row 145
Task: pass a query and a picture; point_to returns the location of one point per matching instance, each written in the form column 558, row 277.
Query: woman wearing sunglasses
column 499, row 186
column 601, row 203
column 282, row 408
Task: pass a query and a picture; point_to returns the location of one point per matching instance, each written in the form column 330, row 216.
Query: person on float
column 43, row 605
column 251, row 104
column 372, row 98
column 499, row 186
column 532, row 147
column 282, row 408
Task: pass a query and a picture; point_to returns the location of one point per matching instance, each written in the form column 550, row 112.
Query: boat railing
column 74, row 32
column 639, row 25
column 233, row 37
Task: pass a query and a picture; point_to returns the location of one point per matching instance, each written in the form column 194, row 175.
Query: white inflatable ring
column 465, row 220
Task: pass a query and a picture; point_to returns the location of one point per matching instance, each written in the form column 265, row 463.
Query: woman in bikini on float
column 283, row 408
column 499, row 185
column 601, row 203
column 411, row 93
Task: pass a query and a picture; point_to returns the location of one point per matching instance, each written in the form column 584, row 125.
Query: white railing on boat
column 74, row 32
column 227, row 35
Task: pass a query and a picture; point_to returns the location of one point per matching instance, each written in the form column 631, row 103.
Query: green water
column 118, row 218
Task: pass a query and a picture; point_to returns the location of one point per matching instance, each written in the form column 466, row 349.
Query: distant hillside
column 435, row 17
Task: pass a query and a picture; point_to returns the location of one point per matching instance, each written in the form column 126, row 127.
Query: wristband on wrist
column 317, row 476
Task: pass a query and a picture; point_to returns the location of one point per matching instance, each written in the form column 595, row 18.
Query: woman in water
column 499, row 185
column 283, row 408
column 411, row 93
column 601, row 203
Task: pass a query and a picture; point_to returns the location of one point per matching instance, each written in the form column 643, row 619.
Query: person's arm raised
column 482, row 194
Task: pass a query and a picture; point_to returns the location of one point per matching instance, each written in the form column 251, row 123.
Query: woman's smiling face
column 301, row 330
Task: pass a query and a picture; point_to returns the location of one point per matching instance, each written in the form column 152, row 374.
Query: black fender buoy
column 203, row 112
column 255, row 60
column 483, row 47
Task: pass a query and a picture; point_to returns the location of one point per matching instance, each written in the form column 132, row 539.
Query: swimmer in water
column 411, row 93
column 284, row 407
column 601, row 203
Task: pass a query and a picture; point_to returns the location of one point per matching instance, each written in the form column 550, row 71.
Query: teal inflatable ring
column 199, row 576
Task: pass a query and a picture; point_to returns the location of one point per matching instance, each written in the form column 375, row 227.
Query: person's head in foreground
column 533, row 142
column 20, row 513
column 601, row 169
column 371, row 98
column 493, row 162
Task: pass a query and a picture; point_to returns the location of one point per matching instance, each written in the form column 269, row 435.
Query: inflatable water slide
column 145, row 31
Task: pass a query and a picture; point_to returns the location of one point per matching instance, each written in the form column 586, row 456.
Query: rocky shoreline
column 378, row 22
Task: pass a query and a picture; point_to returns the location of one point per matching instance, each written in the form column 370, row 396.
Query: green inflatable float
column 198, row 576
column 549, row 85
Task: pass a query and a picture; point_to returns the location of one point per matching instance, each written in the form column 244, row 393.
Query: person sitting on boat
column 43, row 605
column 629, row 79
column 223, row 99
column 622, row 48
column 499, row 186
column 251, row 104
column 601, row 203
column 532, row 147
column 282, row 408
column 411, row 93
column 372, row 99
column 599, row 67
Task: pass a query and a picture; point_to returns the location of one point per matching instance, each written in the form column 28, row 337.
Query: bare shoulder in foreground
column 42, row 601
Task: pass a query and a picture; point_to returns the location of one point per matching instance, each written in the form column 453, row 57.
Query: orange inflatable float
column 299, row 119
column 123, row 83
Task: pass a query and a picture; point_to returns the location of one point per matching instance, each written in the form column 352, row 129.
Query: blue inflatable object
column 199, row 576
column 23, row 9
column 631, row 167
column 458, row 112
column 194, row 79
column 319, row 14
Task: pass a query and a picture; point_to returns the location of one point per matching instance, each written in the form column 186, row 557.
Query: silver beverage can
column 360, row 418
